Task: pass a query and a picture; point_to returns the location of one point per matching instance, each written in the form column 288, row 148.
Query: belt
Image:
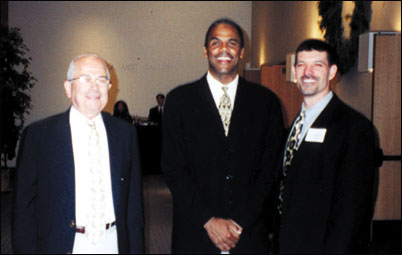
column 82, row 229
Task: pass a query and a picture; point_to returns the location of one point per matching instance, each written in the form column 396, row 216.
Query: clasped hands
column 224, row 233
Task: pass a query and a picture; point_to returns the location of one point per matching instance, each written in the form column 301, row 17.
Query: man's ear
column 67, row 88
column 205, row 52
column 242, row 53
column 332, row 72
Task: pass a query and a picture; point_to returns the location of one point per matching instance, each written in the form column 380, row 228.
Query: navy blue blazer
column 210, row 174
column 44, row 210
column 328, row 192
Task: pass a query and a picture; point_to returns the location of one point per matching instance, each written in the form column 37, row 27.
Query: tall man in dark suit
column 221, row 141
column 325, row 197
column 156, row 113
column 78, row 185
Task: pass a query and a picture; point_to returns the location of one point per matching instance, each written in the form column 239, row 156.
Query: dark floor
column 158, row 218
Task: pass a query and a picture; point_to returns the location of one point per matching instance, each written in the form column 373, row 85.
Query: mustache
column 308, row 77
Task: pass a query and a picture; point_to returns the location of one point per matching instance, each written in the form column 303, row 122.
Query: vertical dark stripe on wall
column 4, row 13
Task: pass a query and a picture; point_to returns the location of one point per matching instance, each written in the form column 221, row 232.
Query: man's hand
column 224, row 233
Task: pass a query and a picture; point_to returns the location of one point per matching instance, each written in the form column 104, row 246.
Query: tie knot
column 91, row 124
column 301, row 117
column 225, row 89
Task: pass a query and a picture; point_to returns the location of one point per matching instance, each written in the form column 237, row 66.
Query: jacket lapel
column 328, row 114
column 238, row 114
column 115, row 162
column 64, row 164
column 209, row 110
column 212, row 112
column 323, row 121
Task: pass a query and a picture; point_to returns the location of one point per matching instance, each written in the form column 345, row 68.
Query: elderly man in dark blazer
column 78, row 184
column 326, row 191
column 221, row 140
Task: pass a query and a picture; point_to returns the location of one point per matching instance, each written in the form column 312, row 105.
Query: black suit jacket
column 210, row 174
column 44, row 211
column 329, row 186
column 154, row 115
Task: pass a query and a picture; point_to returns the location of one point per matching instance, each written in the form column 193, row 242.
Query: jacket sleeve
column 135, row 210
column 175, row 164
column 352, row 205
column 268, row 166
column 24, row 221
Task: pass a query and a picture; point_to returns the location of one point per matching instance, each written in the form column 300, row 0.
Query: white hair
column 71, row 67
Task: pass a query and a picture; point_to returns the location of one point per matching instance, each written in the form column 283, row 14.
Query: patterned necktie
column 291, row 147
column 225, row 110
column 96, row 214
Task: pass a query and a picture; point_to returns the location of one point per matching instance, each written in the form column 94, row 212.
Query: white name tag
column 316, row 135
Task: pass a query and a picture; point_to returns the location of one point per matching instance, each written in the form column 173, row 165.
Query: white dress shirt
column 216, row 89
column 80, row 134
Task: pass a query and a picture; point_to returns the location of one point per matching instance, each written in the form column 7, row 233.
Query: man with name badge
column 326, row 185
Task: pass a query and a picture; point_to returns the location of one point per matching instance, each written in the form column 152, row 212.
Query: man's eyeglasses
column 87, row 80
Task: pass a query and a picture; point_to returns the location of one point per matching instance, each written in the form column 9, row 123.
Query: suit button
column 72, row 224
column 229, row 177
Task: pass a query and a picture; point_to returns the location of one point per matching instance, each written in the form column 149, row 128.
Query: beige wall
column 278, row 27
column 386, row 16
column 153, row 46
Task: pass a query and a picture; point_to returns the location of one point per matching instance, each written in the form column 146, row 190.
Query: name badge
column 316, row 135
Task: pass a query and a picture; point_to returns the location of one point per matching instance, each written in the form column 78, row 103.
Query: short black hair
column 318, row 45
column 160, row 95
column 227, row 22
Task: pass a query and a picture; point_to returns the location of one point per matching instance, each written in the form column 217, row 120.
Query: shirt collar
column 215, row 83
column 78, row 117
column 215, row 87
column 313, row 112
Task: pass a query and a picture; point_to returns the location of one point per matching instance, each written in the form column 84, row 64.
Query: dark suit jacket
column 154, row 115
column 210, row 174
column 44, row 211
column 328, row 190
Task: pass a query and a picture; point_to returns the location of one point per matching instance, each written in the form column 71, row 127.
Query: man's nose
column 308, row 71
column 224, row 47
column 94, row 84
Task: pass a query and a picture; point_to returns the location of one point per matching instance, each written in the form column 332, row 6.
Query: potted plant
column 15, row 100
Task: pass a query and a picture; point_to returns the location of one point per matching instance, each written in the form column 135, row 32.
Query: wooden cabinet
column 274, row 77
column 386, row 118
